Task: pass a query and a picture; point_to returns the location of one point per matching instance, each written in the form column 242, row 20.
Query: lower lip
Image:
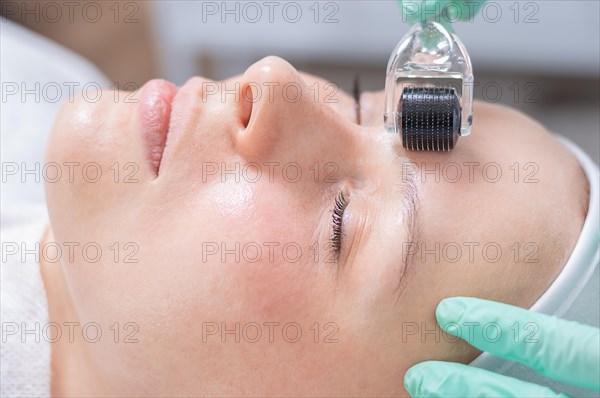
column 155, row 112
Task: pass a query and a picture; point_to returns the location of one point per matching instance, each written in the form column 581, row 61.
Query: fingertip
column 413, row 378
column 423, row 379
column 450, row 310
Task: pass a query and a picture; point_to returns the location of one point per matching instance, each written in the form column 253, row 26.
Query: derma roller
column 429, row 89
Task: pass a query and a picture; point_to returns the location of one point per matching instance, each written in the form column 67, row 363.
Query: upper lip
column 155, row 114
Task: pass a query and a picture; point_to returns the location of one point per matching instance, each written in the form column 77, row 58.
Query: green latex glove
column 562, row 350
column 442, row 11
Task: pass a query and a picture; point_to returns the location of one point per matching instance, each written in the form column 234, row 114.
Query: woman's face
column 256, row 240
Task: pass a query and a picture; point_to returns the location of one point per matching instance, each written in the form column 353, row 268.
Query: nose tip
column 271, row 69
column 276, row 90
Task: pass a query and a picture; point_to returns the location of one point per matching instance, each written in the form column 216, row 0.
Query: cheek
column 261, row 251
column 221, row 253
column 233, row 249
column 247, row 211
column 264, row 213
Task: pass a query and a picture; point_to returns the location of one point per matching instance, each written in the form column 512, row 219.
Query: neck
column 72, row 370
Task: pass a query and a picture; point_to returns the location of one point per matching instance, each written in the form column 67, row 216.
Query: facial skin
column 361, row 308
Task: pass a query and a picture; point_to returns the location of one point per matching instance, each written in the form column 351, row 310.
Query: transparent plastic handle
column 429, row 56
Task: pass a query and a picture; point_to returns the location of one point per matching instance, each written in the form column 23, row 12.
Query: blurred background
column 542, row 57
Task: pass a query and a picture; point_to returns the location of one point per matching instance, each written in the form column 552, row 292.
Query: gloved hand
column 562, row 350
column 443, row 11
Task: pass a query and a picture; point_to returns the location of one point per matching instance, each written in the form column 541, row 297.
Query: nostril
column 246, row 105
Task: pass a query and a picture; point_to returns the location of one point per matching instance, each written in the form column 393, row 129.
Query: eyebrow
column 411, row 219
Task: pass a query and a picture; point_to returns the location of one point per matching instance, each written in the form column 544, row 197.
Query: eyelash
column 356, row 93
column 337, row 219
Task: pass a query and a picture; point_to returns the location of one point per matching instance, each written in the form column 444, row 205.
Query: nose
column 287, row 119
column 275, row 91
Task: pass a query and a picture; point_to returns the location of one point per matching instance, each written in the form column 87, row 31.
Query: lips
column 155, row 112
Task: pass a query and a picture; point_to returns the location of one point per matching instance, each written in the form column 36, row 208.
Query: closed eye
column 337, row 220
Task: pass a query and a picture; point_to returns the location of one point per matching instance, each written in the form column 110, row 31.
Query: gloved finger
column 442, row 11
column 446, row 379
column 562, row 350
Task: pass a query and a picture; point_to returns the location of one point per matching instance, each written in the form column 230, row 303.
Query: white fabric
column 28, row 62
column 24, row 353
